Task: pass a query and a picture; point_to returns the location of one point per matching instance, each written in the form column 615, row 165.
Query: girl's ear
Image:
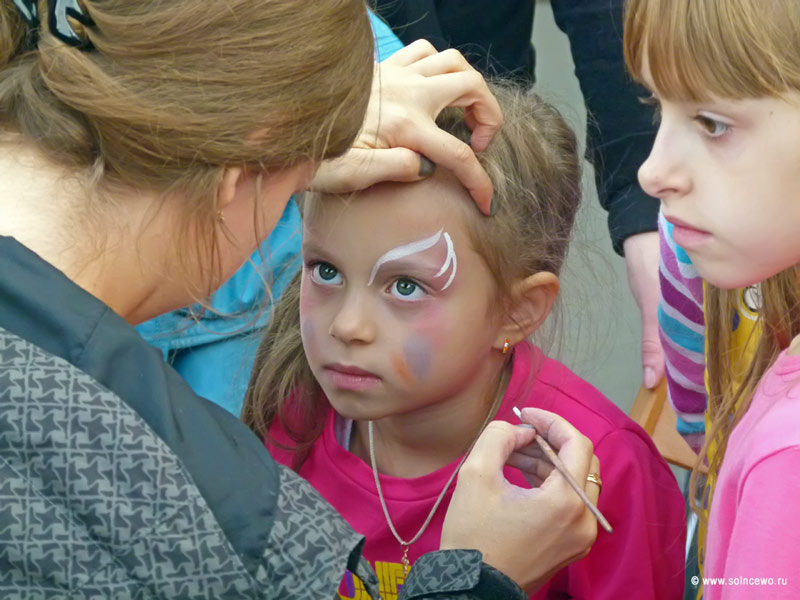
column 532, row 300
column 230, row 187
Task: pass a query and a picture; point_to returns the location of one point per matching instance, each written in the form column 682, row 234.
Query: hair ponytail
column 173, row 91
column 12, row 32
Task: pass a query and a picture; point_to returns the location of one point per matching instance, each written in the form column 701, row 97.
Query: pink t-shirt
column 754, row 523
column 642, row 559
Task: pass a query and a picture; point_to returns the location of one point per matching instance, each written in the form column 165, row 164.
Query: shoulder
column 308, row 536
column 556, row 388
column 620, row 443
column 149, row 509
column 282, row 443
column 770, row 424
column 137, row 496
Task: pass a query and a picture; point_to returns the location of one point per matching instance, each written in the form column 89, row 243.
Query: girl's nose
column 353, row 323
column 664, row 173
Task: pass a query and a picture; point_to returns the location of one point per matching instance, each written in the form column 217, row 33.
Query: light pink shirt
column 754, row 524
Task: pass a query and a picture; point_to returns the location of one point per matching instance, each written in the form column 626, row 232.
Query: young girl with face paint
column 407, row 332
column 726, row 76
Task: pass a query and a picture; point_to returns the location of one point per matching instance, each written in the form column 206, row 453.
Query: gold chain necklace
column 405, row 544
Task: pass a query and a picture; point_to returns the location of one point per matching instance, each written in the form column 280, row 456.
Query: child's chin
column 349, row 406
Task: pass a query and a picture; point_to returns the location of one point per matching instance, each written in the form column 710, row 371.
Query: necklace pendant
column 404, row 561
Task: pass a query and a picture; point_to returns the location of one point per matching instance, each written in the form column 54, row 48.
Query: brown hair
column 177, row 89
column 534, row 165
column 732, row 49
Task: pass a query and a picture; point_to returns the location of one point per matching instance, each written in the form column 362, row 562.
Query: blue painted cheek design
column 418, row 351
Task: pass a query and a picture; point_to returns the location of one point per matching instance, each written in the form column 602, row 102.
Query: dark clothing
column 495, row 35
column 117, row 481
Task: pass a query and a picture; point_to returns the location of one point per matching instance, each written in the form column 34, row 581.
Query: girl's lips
column 686, row 236
column 350, row 378
column 349, row 370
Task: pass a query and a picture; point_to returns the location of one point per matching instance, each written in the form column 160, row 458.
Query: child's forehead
column 394, row 210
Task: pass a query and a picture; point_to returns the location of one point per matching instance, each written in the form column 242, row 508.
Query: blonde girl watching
column 726, row 78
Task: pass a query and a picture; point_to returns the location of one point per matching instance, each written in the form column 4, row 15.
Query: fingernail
column 426, row 166
column 649, row 378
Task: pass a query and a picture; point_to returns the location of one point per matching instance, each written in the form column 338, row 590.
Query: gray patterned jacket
column 116, row 481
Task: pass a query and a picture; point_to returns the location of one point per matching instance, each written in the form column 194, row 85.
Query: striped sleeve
column 682, row 331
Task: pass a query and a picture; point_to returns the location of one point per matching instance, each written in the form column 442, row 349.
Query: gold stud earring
column 220, row 217
column 506, row 346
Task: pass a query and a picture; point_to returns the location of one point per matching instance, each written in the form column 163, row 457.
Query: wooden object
column 655, row 414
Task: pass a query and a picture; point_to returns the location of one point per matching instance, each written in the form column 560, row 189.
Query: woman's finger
column 535, row 470
column 493, row 448
column 453, row 154
column 553, row 428
column 573, row 448
column 361, row 168
column 534, row 451
column 592, row 489
column 447, row 61
column 410, row 54
column 468, row 90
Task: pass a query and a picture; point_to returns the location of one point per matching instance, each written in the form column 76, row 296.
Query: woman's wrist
column 458, row 574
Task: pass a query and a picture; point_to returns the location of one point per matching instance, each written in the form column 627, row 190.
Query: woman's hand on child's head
column 409, row 91
column 526, row 533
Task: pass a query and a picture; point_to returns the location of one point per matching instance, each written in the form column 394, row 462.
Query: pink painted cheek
column 428, row 319
column 308, row 304
column 309, row 337
column 307, row 299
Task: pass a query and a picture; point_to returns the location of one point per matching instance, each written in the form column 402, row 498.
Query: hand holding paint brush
column 529, row 534
column 559, row 465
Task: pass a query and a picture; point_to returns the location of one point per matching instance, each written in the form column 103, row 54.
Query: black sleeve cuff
column 631, row 212
column 458, row 575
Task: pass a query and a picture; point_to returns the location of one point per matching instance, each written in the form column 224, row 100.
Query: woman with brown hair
column 146, row 149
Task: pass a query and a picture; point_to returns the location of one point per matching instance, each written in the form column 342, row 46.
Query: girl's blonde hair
column 727, row 48
column 733, row 49
column 534, row 166
column 175, row 90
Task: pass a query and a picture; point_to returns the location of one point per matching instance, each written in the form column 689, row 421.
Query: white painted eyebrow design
column 449, row 259
column 415, row 248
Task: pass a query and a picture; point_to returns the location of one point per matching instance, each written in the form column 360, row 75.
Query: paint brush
column 558, row 464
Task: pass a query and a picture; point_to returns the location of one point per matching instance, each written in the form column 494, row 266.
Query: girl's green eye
column 406, row 287
column 327, row 272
